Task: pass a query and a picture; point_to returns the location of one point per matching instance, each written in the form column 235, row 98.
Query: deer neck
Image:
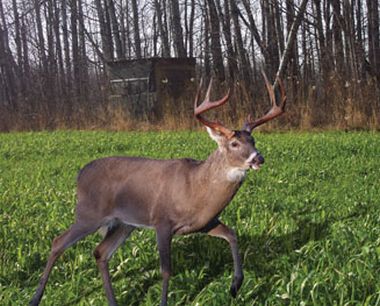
column 215, row 186
column 217, row 169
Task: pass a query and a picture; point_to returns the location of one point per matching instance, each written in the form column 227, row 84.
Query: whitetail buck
column 174, row 197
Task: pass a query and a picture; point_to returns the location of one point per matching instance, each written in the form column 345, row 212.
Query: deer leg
column 76, row 232
column 223, row 231
column 164, row 237
column 103, row 252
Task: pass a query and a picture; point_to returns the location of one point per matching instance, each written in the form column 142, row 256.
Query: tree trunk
column 191, row 29
column 206, row 49
column 17, row 34
column 242, row 58
column 290, row 41
column 115, row 29
column 162, row 30
column 324, row 59
column 216, row 48
column 278, row 26
column 66, row 51
column 58, row 51
column 75, row 49
column 25, row 61
column 179, row 47
column 106, row 43
column 108, row 30
column 6, row 65
column 41, row 39
column 360, row 53
column 293, row 57
column 338, row 38
column 83, row 69
column 226, row 24
column 136, row 29
column 254, row 30
column 272, row 41
column 373, row 37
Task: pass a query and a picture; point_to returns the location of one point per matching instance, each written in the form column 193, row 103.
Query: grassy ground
column 308, row 223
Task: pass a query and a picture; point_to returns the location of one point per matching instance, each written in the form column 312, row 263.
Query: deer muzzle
column 255, row 160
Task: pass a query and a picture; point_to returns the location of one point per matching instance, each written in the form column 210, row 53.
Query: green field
column 308, row 223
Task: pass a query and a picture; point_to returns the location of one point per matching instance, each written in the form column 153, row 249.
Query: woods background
column 53, row 55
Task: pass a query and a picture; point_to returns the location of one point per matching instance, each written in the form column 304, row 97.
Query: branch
column 290, row 42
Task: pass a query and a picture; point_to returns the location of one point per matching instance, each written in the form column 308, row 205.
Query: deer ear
column 216, row 136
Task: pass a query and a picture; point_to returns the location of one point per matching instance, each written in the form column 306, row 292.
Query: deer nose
column 256, row 158
column 259, row 159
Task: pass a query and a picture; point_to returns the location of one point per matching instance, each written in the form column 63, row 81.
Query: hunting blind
column 142, row 85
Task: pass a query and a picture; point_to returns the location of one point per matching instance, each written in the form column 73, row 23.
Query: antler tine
column 283, row 93
column 275, row 111
column 198, row 95
column 270, row 90
column 207, row 98
column 207, row 105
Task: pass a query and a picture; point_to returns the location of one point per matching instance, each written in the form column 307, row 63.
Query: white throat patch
column 236, row 174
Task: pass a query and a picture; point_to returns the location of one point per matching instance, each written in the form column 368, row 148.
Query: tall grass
column 308, row 223
column 326, row 104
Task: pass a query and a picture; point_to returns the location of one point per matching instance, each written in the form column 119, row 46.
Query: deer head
column 238, row 146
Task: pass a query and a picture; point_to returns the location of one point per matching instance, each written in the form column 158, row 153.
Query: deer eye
column 234, row 144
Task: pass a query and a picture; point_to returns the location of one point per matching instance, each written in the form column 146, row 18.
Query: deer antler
column 274, row 112
column 207, row 105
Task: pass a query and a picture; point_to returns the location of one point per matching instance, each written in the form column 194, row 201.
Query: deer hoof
column 236, row 284
column 34, row 302
column 233, row 291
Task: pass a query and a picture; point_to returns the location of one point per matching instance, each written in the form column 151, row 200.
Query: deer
column 116, row 195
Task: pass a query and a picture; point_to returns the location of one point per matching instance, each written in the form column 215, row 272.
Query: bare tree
column 115, row 29
column 179, row 47
column 374, row 37
column 242, row 56
column 216, row 48
column 337, row 36
column 53, row 52
column 224, row 16
column 162, row 29
column 136, row 29
column 106, row 41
